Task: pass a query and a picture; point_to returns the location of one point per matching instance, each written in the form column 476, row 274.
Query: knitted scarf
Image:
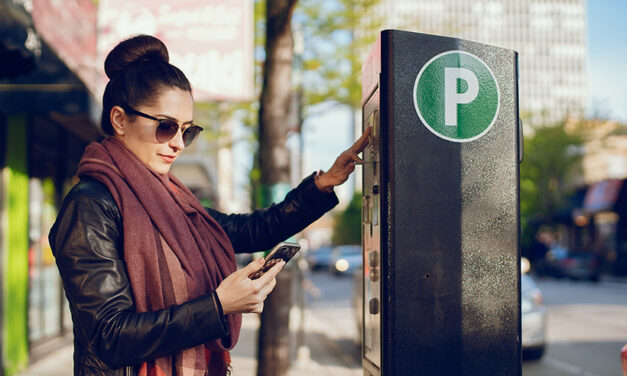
column 174, row 251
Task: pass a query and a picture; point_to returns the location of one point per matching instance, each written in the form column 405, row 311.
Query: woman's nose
column 177, row 141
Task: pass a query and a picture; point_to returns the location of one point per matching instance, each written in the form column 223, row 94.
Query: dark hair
column 138, row 71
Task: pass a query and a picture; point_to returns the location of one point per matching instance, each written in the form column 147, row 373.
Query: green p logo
column 456, row 96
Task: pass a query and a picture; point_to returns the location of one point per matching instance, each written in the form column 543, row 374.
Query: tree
column 338, row 35
column 270, row 175
column 552, row 156
column 276, row 92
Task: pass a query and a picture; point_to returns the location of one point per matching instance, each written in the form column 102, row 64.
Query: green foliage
column 337, row 35
column 551, row 159
column 15, row 236
column 347, row 228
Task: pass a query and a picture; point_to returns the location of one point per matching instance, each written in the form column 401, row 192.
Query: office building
column 549, row 35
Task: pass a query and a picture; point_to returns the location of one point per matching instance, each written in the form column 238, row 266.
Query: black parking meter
column 440, row 208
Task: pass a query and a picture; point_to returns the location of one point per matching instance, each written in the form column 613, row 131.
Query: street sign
column 457, row 96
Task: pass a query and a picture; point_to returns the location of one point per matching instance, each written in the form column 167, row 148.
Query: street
column 586, row 328
column 586, row 324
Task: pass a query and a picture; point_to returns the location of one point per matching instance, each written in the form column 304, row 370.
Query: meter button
column 374, row 274
column 373, row 259
column 373, row 306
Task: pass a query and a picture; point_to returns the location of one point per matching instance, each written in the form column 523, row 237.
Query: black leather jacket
column 110, row 338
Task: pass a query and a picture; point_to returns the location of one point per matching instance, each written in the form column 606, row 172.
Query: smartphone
column 282, row 251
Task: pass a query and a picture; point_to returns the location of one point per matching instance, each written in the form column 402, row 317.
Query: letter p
column 452, row 98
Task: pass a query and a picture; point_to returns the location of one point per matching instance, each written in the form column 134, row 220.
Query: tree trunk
column 274, row 345
column 276, row 92
column 274, row 340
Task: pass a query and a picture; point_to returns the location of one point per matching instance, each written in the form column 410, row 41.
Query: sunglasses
column 167, row 128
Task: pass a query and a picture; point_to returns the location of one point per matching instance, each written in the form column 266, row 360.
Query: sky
column 607, row 49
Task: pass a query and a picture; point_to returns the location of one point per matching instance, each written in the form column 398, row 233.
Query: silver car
column 533, row 319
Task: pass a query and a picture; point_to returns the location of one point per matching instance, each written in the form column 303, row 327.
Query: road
column 587, row 324
column 329, row 300
column 586, row 328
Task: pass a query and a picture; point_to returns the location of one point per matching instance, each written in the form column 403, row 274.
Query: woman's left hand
column 344, row 165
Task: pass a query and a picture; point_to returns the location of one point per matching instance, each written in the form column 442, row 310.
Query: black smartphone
column 282, row 251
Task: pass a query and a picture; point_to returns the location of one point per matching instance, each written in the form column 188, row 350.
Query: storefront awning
column 602, row 196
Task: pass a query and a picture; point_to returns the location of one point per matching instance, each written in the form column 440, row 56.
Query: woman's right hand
column 240, row 294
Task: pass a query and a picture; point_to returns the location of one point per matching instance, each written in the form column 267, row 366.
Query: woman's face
column 139, row 132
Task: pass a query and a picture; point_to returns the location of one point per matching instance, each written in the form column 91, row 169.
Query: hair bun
column 134, row 50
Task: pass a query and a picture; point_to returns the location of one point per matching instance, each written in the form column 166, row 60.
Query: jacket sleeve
column 264, row 228
column 87, row 242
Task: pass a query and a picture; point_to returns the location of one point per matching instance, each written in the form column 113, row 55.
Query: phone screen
column 283, row 251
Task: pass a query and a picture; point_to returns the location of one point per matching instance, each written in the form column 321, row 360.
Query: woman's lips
column 168, row 158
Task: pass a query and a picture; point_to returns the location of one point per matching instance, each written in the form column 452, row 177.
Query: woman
column 149, row 273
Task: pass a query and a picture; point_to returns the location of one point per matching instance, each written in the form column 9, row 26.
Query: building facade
column 46, row 120
column 49, row 113
column 549, row 35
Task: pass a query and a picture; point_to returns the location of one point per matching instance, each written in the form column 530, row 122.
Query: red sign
column 211, row 41
column 69, row 27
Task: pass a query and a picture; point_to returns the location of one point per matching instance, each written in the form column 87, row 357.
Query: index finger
column 362, row 142
column 270, row 274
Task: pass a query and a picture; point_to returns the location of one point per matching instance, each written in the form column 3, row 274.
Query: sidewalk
column 328, row 338
column 331, row 348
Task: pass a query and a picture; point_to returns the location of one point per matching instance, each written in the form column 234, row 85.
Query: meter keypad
column 371, row 225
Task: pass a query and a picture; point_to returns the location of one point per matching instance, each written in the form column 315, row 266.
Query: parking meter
column 440, row 218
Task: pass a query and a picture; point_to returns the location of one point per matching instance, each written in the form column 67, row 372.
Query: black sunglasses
column 167, row 128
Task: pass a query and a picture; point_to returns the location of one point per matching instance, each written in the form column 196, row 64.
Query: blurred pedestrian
column 149, row 273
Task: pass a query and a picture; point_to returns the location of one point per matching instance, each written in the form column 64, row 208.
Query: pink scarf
column 174, row 251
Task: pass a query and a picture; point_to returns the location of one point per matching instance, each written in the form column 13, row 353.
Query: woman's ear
column 118, row 120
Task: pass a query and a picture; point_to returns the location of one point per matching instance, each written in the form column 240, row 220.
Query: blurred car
column 319, row 259
column 581, row 266
column 533, row 313
column 345, row 259
column 533, row 317
column 563, row 263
